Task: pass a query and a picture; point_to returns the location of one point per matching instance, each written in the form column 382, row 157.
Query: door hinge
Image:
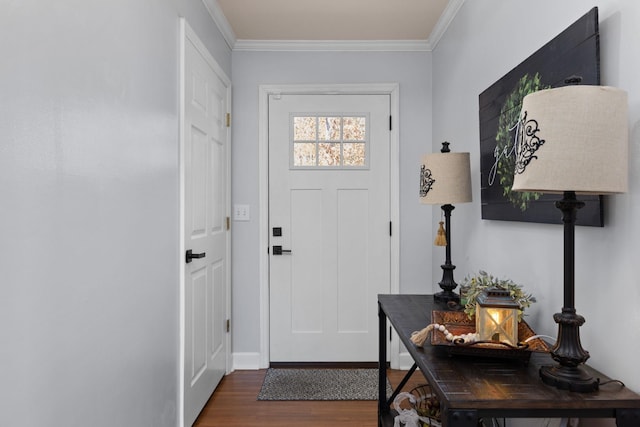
column 390, row 123
column 228, row 224
column 228, row 120
column 390, row 229
column 228, row 325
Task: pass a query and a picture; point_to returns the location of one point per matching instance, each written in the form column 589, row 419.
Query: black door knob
column 190, row 256
column 277, row 250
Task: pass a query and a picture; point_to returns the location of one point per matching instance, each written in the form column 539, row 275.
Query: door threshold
column 324, row 365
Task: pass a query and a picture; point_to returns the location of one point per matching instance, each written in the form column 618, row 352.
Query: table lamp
column 572, row 140
column 445, row 179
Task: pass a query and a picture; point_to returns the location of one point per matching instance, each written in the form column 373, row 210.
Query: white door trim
column 391, row 89
column 187, row 33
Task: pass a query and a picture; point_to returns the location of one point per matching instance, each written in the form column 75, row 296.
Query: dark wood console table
column 473, row 388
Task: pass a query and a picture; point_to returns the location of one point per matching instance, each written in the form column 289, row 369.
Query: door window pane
column 304, row 128
column 329, row 128
column 354, row 128
column 328, row 154
column 329, row 141
column 304, row 154
column 353, row 154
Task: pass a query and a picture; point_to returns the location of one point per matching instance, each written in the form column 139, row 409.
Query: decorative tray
column 458, row 323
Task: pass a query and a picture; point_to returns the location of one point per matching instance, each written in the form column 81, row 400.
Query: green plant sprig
column 478, row 283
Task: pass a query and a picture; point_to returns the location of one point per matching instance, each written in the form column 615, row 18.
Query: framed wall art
column 573, row 54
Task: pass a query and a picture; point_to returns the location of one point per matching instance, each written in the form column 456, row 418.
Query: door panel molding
column 391, row 89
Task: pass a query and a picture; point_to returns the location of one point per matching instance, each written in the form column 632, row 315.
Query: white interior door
column 205, row 192
column 329, row 205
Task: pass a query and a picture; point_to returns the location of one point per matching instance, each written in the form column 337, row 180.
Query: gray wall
column 251, row 69
column 89, row 209
column 484, row 42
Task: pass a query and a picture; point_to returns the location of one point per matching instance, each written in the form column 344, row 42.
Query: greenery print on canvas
column 505, row 141
column 474, row 285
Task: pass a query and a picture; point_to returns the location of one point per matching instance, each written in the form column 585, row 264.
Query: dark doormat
column 321, row 384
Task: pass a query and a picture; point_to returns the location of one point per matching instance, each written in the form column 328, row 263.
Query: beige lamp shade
column 573, row 138
column 445, row 178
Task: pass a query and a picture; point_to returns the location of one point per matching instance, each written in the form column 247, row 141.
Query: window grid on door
column 335, row 141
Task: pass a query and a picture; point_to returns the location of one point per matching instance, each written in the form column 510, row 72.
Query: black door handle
column 277, row 250
column 190, row 256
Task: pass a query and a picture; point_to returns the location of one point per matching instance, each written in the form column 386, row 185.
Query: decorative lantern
column 497, row 316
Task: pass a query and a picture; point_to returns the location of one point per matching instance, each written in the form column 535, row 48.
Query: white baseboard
column 246, row 361
column 405, row 361
column 251, row 361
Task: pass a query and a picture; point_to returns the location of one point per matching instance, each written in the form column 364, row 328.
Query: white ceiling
column 332, row 21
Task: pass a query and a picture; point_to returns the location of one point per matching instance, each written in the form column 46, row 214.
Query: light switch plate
column 241, row 213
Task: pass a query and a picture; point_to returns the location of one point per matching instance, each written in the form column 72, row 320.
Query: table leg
column 383, row 405
column 404, row 381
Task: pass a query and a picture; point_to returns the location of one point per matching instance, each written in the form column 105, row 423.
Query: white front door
column 329, row 205
column 205, row 256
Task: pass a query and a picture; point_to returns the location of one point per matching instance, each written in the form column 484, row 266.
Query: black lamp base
column 568, row 378
column 447, row 284
column 446, row 296
column 568, row 351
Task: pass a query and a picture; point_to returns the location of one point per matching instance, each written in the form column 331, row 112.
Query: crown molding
column 221, row 21
column 443, row 23
column 333, row 45
column 428, row 45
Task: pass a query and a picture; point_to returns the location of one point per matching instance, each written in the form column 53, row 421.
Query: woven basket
column 427, row 405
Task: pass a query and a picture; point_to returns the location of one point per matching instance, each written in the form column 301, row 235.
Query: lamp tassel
column 441, row 237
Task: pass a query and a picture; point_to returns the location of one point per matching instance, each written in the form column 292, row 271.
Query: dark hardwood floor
column 234, row 404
